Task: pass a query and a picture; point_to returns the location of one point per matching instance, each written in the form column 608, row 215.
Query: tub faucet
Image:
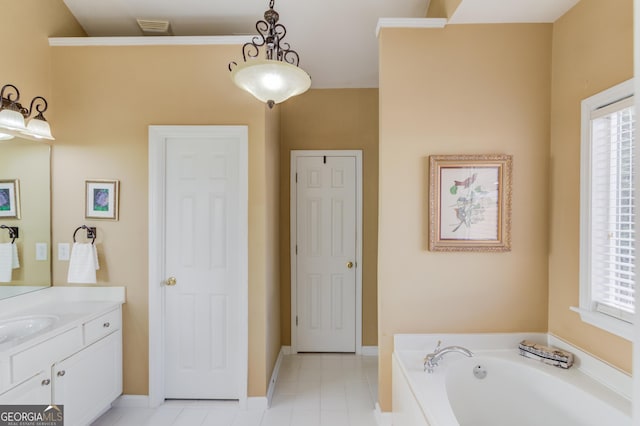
column 432, row 359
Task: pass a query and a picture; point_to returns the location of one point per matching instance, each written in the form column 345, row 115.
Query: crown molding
column 410, row 23
column 150, row 41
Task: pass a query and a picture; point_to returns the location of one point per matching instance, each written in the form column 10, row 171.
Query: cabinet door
column 36, row 390
column 89, row 381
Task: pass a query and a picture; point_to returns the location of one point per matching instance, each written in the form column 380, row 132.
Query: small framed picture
column 470, row 203
column 101, row 199
column 10, row 199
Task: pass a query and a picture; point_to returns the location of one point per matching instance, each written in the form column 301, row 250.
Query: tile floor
column 312, row 390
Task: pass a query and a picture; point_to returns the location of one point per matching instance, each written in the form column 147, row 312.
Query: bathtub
column 508, row 390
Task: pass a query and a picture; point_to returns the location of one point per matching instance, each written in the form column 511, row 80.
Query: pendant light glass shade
column 12, row 120
column 39, row 129
column 271, row 81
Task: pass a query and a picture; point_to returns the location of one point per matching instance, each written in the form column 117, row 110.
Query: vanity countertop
column 68, row 314
column 70, row 307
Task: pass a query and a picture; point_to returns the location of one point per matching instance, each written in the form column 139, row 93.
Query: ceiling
column 335, row 39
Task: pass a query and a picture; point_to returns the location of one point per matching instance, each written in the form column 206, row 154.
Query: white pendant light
column 271, row 80
column 276, row 77
column 13, row 115
column 40, row 129
column 11, row 120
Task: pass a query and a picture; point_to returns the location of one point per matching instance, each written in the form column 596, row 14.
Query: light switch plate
column 41, row 251
column 63, row 251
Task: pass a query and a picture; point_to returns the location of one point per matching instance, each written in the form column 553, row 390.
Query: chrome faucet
column 432, row 359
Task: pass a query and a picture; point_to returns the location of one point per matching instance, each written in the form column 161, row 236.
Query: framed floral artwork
column 101, row 199
column 470, row 202
column 10, row 199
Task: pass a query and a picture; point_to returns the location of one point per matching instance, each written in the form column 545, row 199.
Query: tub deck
column 420, row 398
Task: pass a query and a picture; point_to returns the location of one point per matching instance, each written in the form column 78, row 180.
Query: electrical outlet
column 63, row 251
column 41, row 251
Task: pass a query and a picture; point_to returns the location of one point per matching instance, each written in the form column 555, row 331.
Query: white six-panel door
column 325, row 253
column 202, row 263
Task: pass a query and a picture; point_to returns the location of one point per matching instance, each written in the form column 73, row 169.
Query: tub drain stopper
column 480, row 372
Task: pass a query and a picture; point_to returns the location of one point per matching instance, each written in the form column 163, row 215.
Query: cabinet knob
column 106, row 325
column 171, row 281
column 61, row 373
column 46, row 382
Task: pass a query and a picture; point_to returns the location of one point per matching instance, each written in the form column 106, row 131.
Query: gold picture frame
column 9, row 199
column 101, row 199
column 470, row 202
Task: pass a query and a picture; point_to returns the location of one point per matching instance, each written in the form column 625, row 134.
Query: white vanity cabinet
column 87, row 382
column 36, row 390
column 79, row 367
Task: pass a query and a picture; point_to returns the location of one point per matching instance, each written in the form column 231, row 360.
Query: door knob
column 349, row 265
column 171, row 281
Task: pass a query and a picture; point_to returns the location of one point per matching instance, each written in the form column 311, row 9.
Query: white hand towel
column 83, row 264
column 15, row 263
column 6, row 262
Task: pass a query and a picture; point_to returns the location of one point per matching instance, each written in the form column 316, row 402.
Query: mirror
column 29, row 163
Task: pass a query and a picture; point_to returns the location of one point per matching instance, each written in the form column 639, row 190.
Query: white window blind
column 612, row 212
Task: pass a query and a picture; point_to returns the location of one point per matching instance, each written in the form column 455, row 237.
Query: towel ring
column 13, row 232
column 91, row 232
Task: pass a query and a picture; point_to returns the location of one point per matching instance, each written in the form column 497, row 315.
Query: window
column 607, row 235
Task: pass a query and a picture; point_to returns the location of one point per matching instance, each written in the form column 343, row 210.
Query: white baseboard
column 369, row 351
column 132, row 401
column 274, row 376
column 286, row 350
column 382, row 418
column 257, row 403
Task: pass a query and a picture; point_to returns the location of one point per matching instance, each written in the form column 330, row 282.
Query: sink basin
column 23, row 327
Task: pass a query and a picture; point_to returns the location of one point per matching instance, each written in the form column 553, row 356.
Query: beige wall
column 333, row 119
column 106, row 98
column 442, row 8
column 592, row 51
column 25, row 27
column 471, row 89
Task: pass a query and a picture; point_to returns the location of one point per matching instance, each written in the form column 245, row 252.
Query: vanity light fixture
column 13, row 115
column 274, row 76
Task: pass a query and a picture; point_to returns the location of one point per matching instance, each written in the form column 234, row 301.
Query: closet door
column 326, row 253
